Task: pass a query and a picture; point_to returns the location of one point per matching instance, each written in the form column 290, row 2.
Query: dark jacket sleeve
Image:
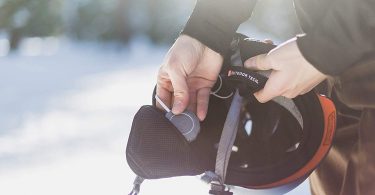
column 340, row 33
column 214, row 22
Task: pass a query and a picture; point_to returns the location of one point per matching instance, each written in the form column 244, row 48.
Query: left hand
column 292, row 74
column 188, row 73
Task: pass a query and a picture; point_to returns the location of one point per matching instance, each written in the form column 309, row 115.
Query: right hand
column 291, row 75
column 188, row 73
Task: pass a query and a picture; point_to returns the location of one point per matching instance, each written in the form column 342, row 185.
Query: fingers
column 263, row 96
column 272, row 88
column 291, row 75
column 192, row 101
column 287, row 84
column 202, row 102
column 258, row 62
column 180, row 92
column 164, row 95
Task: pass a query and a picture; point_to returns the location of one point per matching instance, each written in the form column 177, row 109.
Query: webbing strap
column 230, row 128
column 228, row 136
column 136, row 185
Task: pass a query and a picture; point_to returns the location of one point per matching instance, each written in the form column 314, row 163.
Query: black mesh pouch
column 156, row 149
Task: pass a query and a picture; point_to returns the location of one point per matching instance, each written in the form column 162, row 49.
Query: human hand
column 188, row 73
column 291, row 75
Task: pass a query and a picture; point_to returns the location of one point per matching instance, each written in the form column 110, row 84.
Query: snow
column 65, row 115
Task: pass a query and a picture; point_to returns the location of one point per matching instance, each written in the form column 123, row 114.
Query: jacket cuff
column 214, row 22
column 324, row 55
column 336, row 43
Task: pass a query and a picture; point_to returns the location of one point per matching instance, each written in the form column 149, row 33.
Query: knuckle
column 202, row 101
column 171, row 64
column 172, row 61
column 179, row 93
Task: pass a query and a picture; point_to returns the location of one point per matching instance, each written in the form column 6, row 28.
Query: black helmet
column 276, row 147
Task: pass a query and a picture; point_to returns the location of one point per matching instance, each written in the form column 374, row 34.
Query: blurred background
column 72, row 75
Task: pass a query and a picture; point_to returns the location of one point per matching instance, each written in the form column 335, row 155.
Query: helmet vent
column 248, row 127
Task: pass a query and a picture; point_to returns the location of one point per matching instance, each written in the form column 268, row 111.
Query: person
column 337, row 47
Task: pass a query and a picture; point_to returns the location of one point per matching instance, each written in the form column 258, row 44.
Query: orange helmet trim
column 329, row 113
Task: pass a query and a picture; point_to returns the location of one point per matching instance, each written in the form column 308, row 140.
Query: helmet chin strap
column 136, row 185
column 227, row 138
column 229, row 132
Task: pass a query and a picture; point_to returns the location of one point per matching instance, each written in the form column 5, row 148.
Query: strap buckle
column 136, row 185
column 219, row 189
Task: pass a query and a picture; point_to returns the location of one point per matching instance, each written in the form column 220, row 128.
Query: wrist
column 305, row 61
column 199, row 46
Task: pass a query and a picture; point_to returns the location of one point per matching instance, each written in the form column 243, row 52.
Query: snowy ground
column 65, row 118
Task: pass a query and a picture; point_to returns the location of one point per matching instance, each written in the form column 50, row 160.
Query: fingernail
column 201, row 117
column 177, row 107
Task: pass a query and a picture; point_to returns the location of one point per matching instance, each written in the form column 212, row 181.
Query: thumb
column 180, row 92
column 258, row 62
